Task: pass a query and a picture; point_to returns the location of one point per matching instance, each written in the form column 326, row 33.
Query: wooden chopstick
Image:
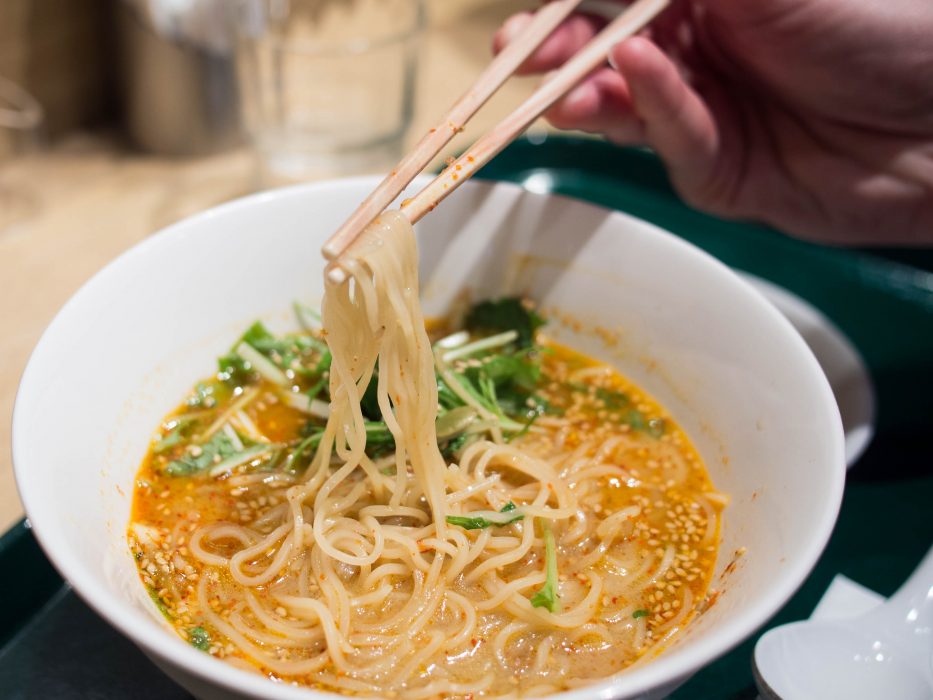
column 592, row 56
column 635, row 17
column 545, row 21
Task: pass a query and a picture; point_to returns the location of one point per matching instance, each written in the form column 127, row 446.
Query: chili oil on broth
column 634, row 562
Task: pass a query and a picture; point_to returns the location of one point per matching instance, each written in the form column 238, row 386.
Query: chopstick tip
column 330, row 250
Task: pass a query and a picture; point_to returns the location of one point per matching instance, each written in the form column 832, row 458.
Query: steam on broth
column 374, row 510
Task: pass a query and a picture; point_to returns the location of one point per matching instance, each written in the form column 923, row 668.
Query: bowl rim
column 664, row 671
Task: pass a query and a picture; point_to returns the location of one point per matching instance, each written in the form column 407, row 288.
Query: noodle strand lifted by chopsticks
column 353, row 577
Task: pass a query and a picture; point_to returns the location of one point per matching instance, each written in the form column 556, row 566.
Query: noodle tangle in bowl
column 527, row 559
column 198, row 436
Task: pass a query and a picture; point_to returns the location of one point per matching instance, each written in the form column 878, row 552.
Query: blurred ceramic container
column 178, row 75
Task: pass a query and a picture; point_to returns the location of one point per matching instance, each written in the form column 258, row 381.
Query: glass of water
column 327, row 85
column 21, row 119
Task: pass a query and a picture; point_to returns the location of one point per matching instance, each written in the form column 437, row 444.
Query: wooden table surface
column 96, row 198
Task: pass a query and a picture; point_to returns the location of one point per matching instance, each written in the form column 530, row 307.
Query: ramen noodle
column 371, row 508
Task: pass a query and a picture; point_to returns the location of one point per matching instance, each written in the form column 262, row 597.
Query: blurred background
column 119, row 117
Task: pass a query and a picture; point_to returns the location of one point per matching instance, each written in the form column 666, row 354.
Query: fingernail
column 612, row 60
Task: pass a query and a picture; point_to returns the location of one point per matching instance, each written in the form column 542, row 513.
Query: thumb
column 677, row 122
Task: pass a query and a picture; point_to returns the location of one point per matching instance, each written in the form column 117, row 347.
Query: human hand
column 815, row 116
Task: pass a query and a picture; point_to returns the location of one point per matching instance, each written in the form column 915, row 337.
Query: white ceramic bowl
column 728, row 366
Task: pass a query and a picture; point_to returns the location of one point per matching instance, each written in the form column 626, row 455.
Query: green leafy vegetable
column 293, row 462
column 262, row 365
column 477, row 391
column 620, row 403
column 205, row 395
column 170, row 439
column 446, row 396
column 455, row 445
column 518, row 371
column 378, row 433
column 524, row 430
column 237, row 458
column 321, row 371
column 287, row 353
column 259, row 337
column 637, row 420
column 173, row 438
column 234, row 369
column 369, row 402
column 548, row 597
column 506, row 384
column 508, row 314
column 498, row 373
column 160, row 604
column 378, row 440
column 483, row 391
column 490, row 342
column 454, row 422
column 479, row 521
column 202, row 457
column 282, row 350
column 199, row 638
column 181, row 426
column 614, row 400
column 640, row 613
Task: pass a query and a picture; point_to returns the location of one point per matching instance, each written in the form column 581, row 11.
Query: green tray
column 52, row 646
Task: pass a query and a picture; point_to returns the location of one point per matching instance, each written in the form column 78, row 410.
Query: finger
column 509, row 30
column 676, row 121
column 567, row 39
column 602, row 105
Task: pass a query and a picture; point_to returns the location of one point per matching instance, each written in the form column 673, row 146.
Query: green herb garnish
column 453, row 446
column 369, row 401
column 259, row 351
column 160, row 604
column 281, row 350
column 548, row 597
column 621, row 404
column 509, row 314
column 199, row 638
column 205, row 395
column 640, row 613
column 182, row 424
column 169, row 440
column 508, row 515
column 219, row 446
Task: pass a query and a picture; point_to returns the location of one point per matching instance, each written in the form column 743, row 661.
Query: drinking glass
column 327, row 85
column 20, row 121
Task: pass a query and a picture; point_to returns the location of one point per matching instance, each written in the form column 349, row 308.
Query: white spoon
column 885, row 653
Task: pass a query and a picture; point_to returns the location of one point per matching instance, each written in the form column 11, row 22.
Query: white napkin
column 845, row 598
